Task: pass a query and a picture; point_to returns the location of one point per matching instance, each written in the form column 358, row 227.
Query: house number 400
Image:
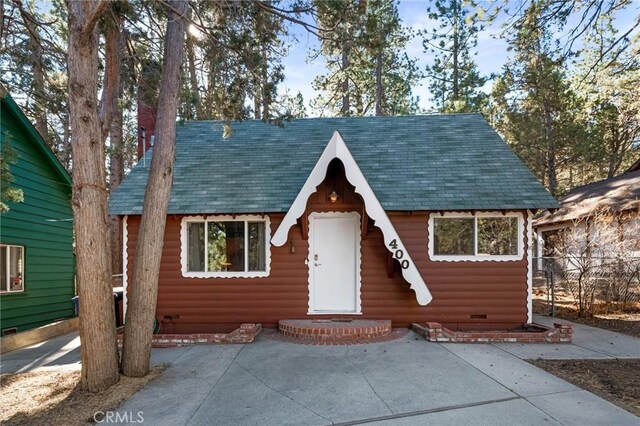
column 399, row 254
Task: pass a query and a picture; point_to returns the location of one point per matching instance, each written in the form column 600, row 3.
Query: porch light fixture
column 292, row 249
column 333, row 197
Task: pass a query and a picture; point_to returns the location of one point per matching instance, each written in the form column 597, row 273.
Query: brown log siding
column 460, row 289
column 463, row 292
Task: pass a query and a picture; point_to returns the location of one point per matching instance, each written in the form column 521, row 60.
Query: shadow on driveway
column 60, row 353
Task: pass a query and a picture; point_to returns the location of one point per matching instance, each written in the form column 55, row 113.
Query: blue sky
column 492, row 50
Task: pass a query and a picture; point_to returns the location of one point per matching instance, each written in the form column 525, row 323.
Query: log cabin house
column 412, row 219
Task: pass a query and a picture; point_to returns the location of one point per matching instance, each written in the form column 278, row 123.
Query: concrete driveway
column 402, row 382
column 407, row 381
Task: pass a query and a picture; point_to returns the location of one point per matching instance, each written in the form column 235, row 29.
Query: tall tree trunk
column 212, row 84
column 456, row 52
column 97, row 320
column 38, row 89
column 116, row 174
column 379, row 88
column 66, row 142
column 144, row 283
column 40, row 95
column 346, row 105
column 111, row 82
column 551, row 153
column 257, row 99
column 616, row 150
column 266, row 87
column 358, row 103
column 116, row 139
column 193, row 77
column 1, row 24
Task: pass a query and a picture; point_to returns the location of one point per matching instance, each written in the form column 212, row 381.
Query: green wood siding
column 42, row 225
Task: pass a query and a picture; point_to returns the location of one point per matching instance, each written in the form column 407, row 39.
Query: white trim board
column 336, row 148
column 552, row 227
column 529, row 227
column 125, row 262
column 358, row 260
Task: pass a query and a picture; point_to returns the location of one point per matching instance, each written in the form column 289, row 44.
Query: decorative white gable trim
column 529, row 226
column 125, row 261
column 476, row 258
column 184, row 257
column 336, row 148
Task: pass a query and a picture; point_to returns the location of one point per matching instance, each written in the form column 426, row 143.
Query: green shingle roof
column 433, row 162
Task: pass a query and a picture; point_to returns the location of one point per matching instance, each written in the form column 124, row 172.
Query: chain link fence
column 589, row 280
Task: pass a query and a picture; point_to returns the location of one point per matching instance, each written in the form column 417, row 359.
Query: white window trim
column 184, row 253
column 7, row 273
column 475, row 257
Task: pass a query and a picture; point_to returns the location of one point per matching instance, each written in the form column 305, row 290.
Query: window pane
column 3, row 269
column 498, row 236
column 226, row 246
column 195, row 235
column 256, row 246
column 453, row 236
column 15, row 268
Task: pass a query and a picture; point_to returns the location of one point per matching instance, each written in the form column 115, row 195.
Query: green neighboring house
column 36, row 236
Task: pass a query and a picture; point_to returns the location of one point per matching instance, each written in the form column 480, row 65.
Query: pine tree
column 369, row 71
column 33, row 58
column 607, row 81
column 291, row 107
column 574, row 19
column 456, row 84
column 533, row 105
column 97, row 320
column 265, row 68
column 395, row 73
column 233, row 62
column 343, row 23
column 136, row 350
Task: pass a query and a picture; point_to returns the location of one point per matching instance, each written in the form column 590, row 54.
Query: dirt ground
column 607, row 316
column 616, row 380
column 55, row 398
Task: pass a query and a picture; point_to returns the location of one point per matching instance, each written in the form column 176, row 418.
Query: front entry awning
column 337, row 148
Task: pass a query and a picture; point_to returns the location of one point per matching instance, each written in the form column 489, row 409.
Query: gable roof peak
column 337, row 148
column 12, row 107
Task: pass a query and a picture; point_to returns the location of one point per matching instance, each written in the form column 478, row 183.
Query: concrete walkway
column 402, row 382
column 588, row 343
column 59, row 353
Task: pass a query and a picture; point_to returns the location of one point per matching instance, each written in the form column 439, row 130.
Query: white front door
column 334, row 262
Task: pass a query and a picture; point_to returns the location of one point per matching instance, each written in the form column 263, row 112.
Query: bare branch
column 93, row 19
column 611, row 47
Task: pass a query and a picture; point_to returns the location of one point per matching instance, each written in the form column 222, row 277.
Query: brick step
column 335, row 330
